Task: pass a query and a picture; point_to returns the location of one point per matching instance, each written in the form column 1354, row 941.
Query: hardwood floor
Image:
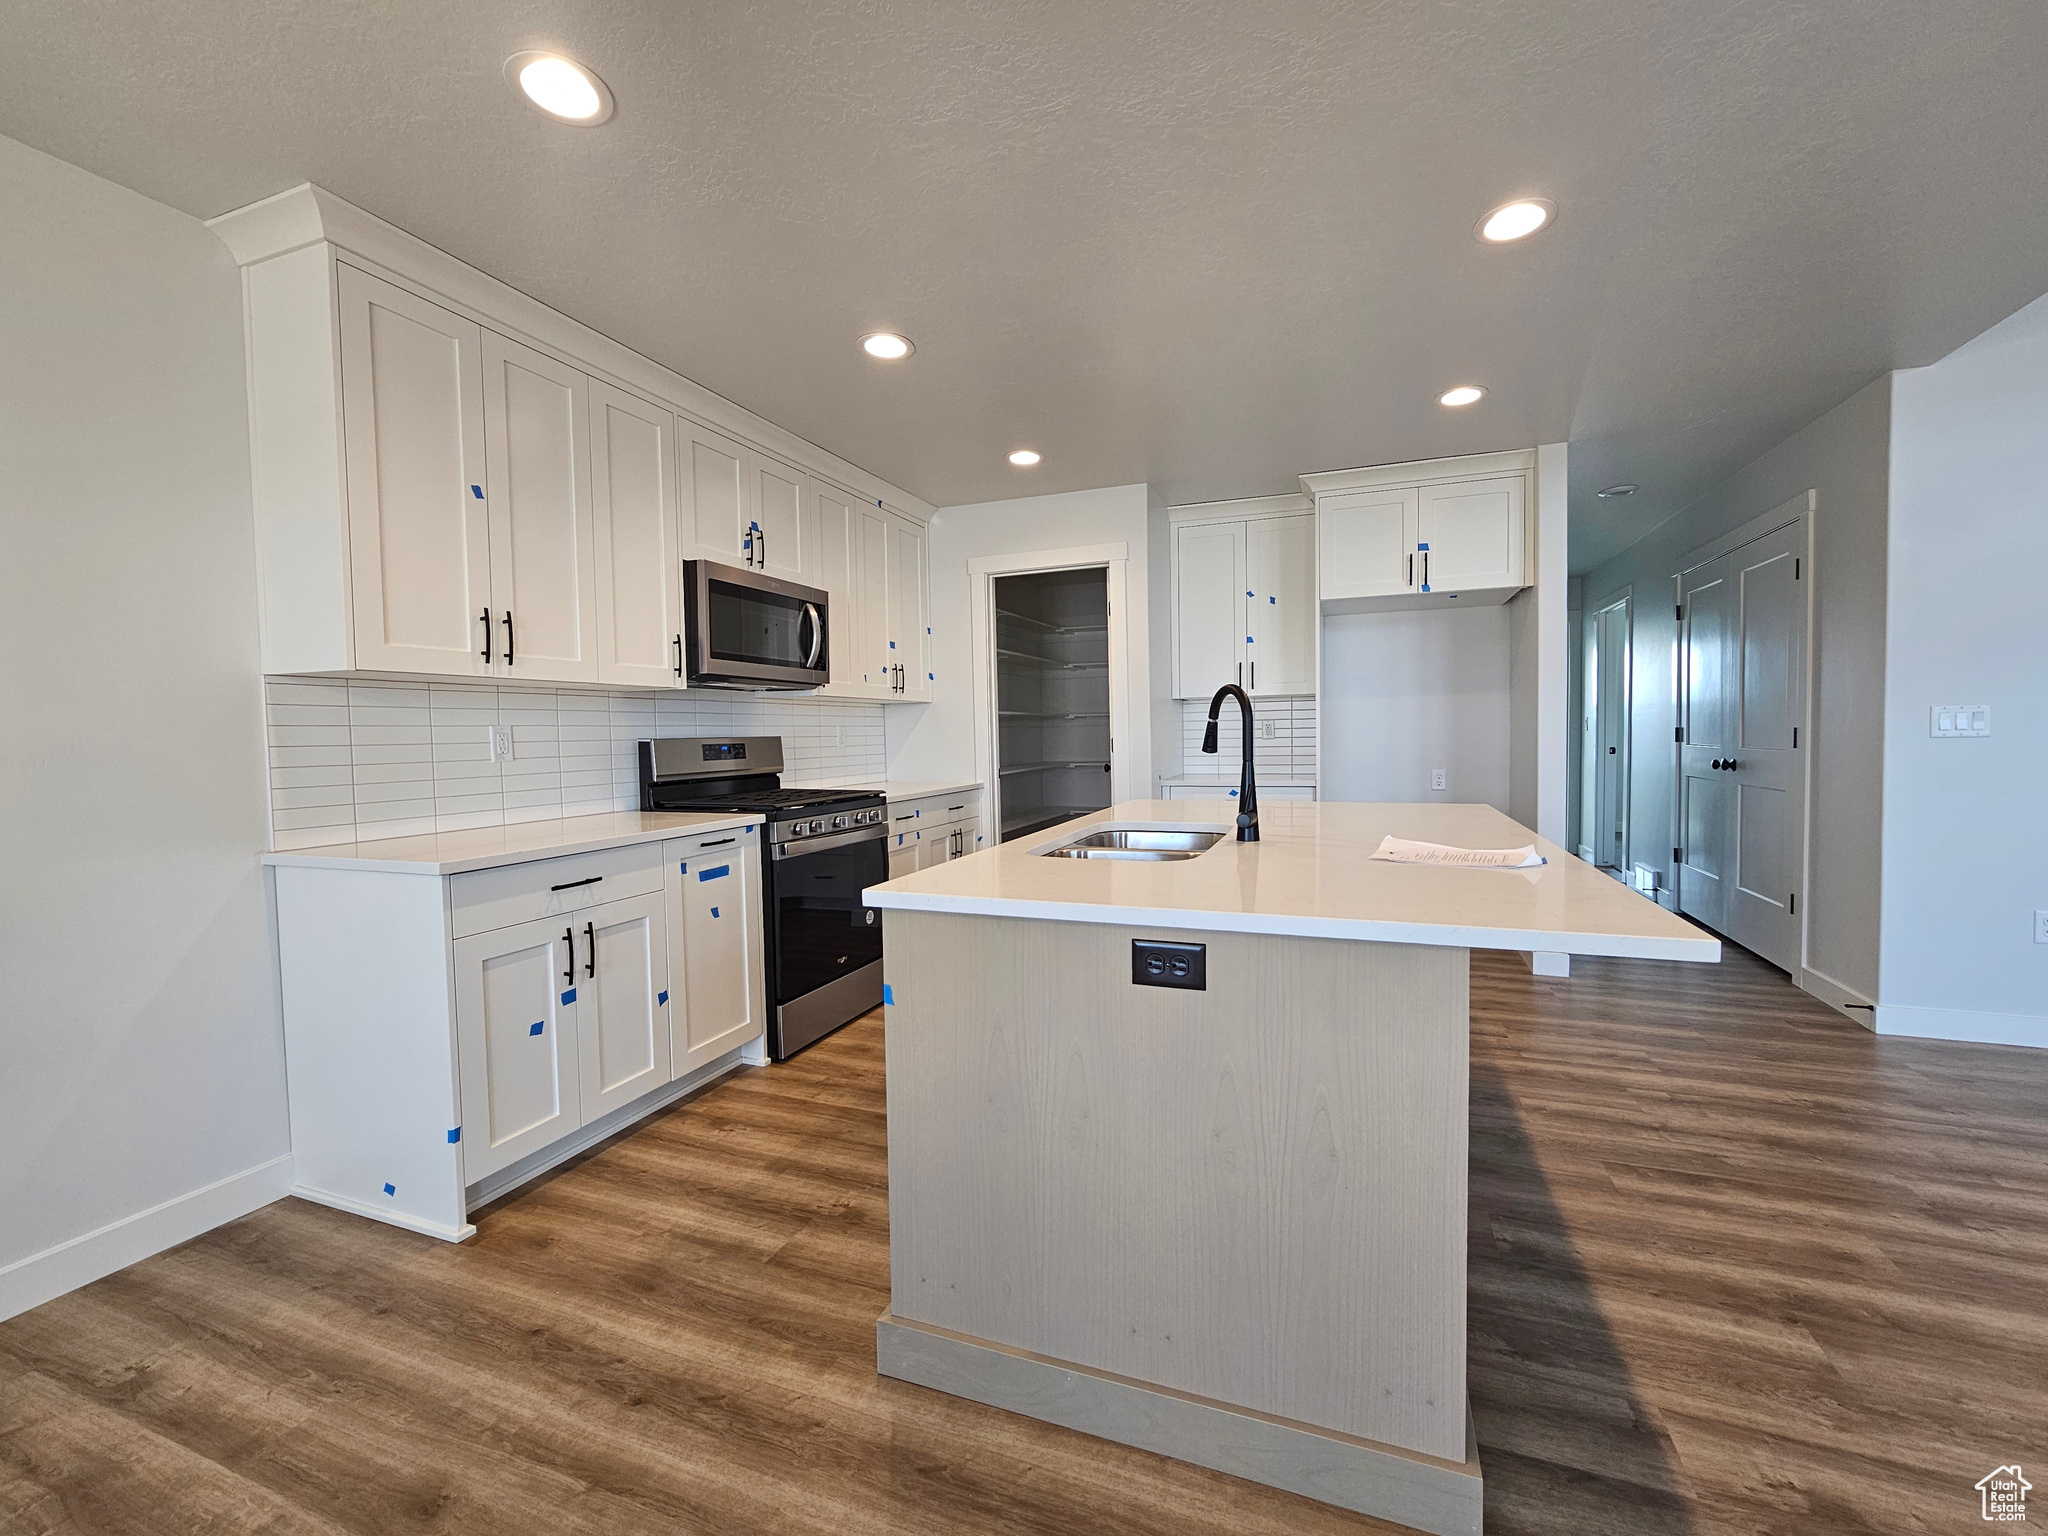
column 1736, row 1265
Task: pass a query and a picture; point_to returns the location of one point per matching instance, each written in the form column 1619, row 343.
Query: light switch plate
column 1959, row 720
column 2041, row 925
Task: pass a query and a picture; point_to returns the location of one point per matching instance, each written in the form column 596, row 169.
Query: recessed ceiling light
column 1024, row 458
column 1517, row 220
column 886, row 345
column 1620, row 490
column 559, row 88
column 1464, row 394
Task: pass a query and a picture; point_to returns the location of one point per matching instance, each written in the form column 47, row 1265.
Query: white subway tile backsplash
column 1290, row 751
column 352, row 761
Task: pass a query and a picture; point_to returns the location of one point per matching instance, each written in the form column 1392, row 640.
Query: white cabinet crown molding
column 1421, row 471
column 1293, row 504
column 309, row 215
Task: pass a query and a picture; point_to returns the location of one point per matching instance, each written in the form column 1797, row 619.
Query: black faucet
column 1248, row 784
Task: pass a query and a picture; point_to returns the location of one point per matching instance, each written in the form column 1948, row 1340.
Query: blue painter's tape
column 714, row 911
column 931, row 675
column 455, row 1135
column 390, row 1189
column 1422, row 546
column 716, row 872
column 479, row 491
column 1272, row 599
column 662, row 999
column 1250, row 593
column 684, row 866
column 888, row 995
column 568, row 997
column 1247, row 639
column 892, row 645
column 543, row 1024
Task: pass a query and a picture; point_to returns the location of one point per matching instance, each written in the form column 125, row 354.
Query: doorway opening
column 1604, row 758
column 1052, row 704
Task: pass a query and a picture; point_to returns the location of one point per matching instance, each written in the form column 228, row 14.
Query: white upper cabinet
column 1472, row 534
column 1280, row 604
column 453, row 480
column 1368, row 542
column 543, row 549
column 412, row 386
column 1423, row 535
column 909, row 634
column 1208, row 607
column 718, row 496
column 1244, row 599
column 639, row 540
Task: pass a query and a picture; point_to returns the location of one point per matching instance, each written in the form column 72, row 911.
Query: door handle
column 590, row 943
column 679, row 655
column 569, row 938
column 570, row 885
column 486, row 622
column 1716, row 763
column 761, row 549
column 1731, row 765
column 508, row 637
column 817, row 634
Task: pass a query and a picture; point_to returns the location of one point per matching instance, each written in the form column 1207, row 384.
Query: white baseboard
column 47, row 1275
column 1846, row 1001
column 390, row 1218
column 2029, row 1029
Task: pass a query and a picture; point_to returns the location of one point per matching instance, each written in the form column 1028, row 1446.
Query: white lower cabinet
column 934, row 829
column 447, row 1037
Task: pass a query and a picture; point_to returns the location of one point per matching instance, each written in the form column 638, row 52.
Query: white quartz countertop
column 915, row 790
column 454, row 853
column 1311, row 875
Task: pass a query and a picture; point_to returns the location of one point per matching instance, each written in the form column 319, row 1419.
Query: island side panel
column 1254, row 1193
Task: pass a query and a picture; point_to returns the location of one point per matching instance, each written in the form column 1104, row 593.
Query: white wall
column 936, row 740
column 1404, row 693
column 1966, row 821
column 1844, row 457
column 141, row 1054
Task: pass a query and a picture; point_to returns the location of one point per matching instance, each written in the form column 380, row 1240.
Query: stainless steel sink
column 1158, row 845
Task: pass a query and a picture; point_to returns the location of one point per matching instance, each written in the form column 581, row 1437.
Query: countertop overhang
column 455, row 853
column 1312, row 876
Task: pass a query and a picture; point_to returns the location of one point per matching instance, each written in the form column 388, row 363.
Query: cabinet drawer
column 485, row 899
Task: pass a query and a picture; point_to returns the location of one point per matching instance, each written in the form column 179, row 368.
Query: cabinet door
column 871, row 631
column 543, row 551
column 412, row 388
column 715, row 908
column 515, row 1019
column 1280, row 580
column 905, row 855
column 782, row 503
column 622, row 1030
column 909, row 640
column 1208, row 607
column 835, row 572
column 1473, row 532
column 718, row 495
column 639, row 550
column 1365, row 539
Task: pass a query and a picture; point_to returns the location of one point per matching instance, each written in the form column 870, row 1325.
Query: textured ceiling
column 1206, row 245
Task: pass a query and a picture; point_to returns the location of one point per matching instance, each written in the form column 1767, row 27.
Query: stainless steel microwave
column 746, row 629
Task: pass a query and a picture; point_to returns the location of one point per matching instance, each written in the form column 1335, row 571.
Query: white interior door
column 1609, row 834
column 622, row 1031
column 1209, row 583
column 412, row 391
column 1589, row 744
column 1742, row 778
column 717, row 911
column 1280, row 599
column 639, row 534
column 1473, row 533
column 543, row 549
column 514, row 1015
column 718, row 502
column 1365, row 540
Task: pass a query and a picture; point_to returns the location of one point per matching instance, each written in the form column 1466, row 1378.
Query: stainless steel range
column 823, row 848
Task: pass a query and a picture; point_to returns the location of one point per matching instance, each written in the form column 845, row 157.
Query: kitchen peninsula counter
column 1223, row 1223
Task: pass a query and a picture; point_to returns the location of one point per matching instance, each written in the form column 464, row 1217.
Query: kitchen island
column 1209, row 1199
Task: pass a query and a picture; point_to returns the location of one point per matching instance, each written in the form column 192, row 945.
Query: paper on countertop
column 1400, row 850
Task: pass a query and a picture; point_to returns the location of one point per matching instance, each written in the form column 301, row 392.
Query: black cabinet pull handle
column 508, row 637
column 569, row 938
column 719, row 844
column 590, row 943
column 570, row 885
column 486, row 622
column 679, row 655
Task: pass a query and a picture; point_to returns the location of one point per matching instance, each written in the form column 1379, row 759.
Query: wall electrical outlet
column 1959, row 720
column 2041, row 925
column 501, row 743
column 1268, row 730
column 1438, row 779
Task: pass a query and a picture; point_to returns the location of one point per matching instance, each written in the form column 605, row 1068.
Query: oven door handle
column 797, row 850
column 817, row 635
